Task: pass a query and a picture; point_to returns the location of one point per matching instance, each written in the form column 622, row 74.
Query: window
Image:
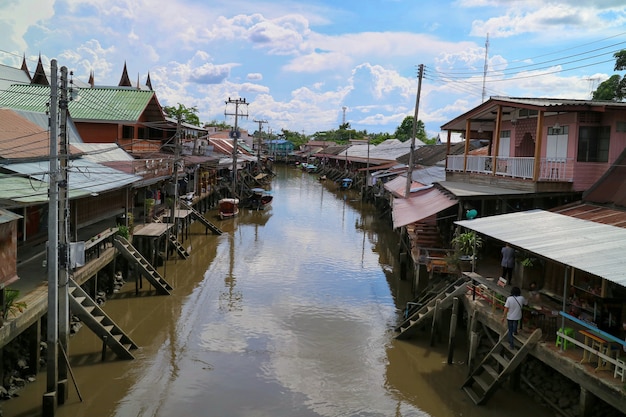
column 128, row 132
column 556, row 149
column 504, row 149
column 593, row 143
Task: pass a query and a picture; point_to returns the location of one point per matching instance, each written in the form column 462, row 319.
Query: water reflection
column 289, row 312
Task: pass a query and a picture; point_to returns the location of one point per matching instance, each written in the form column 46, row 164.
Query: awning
column 585, row 245
column 422, row 205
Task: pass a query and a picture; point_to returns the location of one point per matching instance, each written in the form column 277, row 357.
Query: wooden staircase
column 201, row 218
column 182, row 252
column 412, row 323
column 96, row 319
column 497, row 365
column 132, row 255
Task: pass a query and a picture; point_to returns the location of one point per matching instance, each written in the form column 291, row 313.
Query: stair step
column 108, row 327
column 473, row 396
column 98, row 318
column 501, row 359
column 489, row 369
column 118, row 337
column 484, row 385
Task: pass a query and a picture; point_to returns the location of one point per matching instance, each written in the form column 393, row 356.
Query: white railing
column 515, row 167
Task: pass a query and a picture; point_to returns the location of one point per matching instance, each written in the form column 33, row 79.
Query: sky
column 306, row 66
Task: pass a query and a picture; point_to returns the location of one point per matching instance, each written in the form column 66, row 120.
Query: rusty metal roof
column 589, row 246
column 610, row 189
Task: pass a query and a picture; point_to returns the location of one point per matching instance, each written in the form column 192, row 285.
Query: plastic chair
column 560, row 341
column 619, row 369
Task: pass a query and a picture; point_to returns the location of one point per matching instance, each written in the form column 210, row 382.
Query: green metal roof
column 18, row 191
column 117, row 104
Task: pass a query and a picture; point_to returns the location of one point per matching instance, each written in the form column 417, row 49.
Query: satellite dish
column 471, row 214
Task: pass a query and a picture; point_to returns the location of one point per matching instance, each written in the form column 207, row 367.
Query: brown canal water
column 289, row 313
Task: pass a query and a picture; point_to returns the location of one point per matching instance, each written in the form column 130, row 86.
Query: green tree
column 615, row 87
column 220, row 125
column 404, row 132
column 185, row 114
column 607, row 89
column 296, row 138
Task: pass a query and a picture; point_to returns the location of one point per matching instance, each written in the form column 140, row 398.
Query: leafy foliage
column 11, row 305
column 183, row 113
column 615, row 87
column 404, row 132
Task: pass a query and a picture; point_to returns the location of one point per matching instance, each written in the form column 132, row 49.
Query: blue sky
column 298, row 63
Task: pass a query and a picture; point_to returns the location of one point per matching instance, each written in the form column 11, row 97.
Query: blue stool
column 568, row 331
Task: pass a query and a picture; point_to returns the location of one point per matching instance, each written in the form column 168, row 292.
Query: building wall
column 8, row 251
column 91, row 210
column 98, row 132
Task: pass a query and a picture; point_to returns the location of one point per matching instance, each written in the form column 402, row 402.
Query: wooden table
column 598, row 345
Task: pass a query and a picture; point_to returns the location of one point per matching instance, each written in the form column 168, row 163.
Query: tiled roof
column 89, row 104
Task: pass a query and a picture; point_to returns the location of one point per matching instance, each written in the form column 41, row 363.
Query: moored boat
column 228, row 207
column 260, row 199
column 346, row 183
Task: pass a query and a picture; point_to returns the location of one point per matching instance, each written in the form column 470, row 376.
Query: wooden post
column 473, row 341
column 433, row 329
column 453, row 320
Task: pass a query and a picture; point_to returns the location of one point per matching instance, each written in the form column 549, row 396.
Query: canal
column 289, row 313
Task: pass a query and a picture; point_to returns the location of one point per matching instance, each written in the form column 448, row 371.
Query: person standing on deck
column 513, row 312
column 508, row 262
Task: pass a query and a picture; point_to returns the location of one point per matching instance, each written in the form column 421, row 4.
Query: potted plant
column 11, row 305
column 466, row 245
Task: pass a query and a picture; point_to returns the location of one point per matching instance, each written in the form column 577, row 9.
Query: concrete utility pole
column 409, row 175
column 64, row 245
column 235, row 132
column 176, row 162
column 258, row 151
column 50, row 397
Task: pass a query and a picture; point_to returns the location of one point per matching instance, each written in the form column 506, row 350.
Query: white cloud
column 18, row 16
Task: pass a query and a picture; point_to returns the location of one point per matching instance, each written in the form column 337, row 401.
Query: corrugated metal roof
column 585, row 245
column 594, row 213
column 611, row 188
column 464, row 189
column 103, row 152
column 19, row 191
column 94, row 104
column 425, row 204
column 85, row 177
column 20, row 138
column 7, row 216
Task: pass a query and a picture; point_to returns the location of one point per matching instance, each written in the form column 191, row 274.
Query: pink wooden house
column 539, row 145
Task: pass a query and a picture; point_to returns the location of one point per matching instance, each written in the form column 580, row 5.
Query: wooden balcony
column 513, row 172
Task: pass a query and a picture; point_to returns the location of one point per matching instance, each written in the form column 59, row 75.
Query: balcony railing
column 520, row 167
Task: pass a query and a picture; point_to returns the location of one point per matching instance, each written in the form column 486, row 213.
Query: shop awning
column 420, row 206
column 585, row 245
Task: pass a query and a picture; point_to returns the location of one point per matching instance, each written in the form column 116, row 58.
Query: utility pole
column 50, row 397
column 176, row 162
column 486, row 67
column 258, row 151
column 409, row 175
column 64, row 245
column 235, row 132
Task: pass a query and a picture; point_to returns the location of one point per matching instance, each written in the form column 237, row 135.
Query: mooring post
column 453, row 320
column 104, row 347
